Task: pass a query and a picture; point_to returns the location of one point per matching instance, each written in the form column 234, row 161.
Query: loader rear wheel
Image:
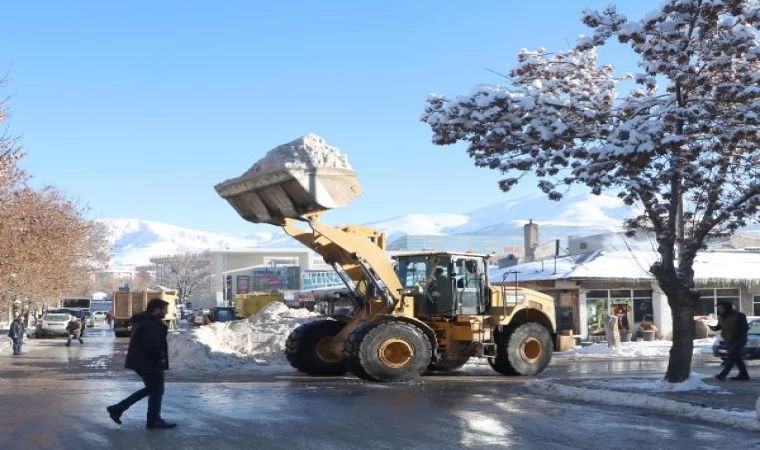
column 307, row 348
column 447, row 365
column 527, row 350
column 387, row 351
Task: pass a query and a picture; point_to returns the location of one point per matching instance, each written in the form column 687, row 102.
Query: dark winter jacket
column 148, row 351
column 732, row 324
column 73, row 327
column 17, row 330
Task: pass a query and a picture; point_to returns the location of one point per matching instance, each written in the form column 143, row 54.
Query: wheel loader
column 422, row 311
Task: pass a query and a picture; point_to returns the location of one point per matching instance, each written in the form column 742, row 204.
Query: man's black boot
column 115, row 413
column 161, row 423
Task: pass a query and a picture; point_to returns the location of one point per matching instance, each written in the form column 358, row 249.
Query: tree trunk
column 679, row 364
column 611, row 331
column 682, row 297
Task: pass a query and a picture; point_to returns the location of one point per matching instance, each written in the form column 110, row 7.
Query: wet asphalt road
column 54, row 397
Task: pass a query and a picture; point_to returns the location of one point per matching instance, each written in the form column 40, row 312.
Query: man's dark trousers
column 734, row 357
column 154, row 390
column 17, row 345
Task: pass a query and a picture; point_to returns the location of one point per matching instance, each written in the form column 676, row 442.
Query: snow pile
column 260, row 339
column 655, row 384
column 644, row 349
column 744, row 419
column 308, row 152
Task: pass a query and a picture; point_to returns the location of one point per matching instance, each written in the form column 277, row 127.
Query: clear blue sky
column 138, row 108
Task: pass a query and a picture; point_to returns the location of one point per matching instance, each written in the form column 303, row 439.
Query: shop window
column 630, row 306
column 709, row 299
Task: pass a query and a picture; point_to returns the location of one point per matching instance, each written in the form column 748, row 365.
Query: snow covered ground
column 255, row 342
column 655, row 384
column 743, row 419
column 644, row 349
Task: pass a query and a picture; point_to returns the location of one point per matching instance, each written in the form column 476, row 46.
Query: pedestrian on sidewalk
column 733, row 327
column 148, row 356
column 74, row 328
column 16, row 333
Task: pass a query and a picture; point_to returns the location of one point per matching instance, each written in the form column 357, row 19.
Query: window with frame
column 708, row 300
column 756, row 305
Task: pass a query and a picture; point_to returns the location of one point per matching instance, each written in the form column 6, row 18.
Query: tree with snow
column 685, row 133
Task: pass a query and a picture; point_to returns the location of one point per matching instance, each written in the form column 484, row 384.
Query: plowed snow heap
column 293, row 180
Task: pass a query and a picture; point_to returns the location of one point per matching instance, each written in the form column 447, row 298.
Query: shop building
column 598, row 279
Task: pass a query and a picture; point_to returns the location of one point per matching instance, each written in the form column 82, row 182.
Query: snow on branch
column 690, row 125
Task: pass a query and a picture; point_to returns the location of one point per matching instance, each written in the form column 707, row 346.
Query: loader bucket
column 272, row 196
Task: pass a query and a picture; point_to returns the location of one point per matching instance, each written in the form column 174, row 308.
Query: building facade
column 238, row 271
column 499, row 245
column 588, row 286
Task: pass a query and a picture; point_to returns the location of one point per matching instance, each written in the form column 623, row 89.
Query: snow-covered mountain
column 135, row 241
column 580, row 214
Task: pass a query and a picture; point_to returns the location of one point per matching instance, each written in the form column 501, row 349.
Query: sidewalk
column 730, row 402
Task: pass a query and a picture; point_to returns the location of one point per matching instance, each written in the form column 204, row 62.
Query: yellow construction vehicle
column 249, row 304
column 434, row 310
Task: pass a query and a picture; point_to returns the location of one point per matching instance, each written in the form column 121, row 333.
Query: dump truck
column 428, row 311
column 249, row 304
column 125, row 304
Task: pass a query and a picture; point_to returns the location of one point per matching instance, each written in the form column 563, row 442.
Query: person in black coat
column 147, row 355
column 733, row 326
column 16, row 333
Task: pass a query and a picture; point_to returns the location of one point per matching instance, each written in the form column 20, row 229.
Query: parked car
column 53, row 324
column 751, row 350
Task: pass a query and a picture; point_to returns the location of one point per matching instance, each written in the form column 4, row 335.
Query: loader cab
column 445, row 284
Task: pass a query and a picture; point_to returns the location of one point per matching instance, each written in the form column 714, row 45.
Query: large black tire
column 447, row 365
column 304, row 348
column 391, row 351
column 526, row 350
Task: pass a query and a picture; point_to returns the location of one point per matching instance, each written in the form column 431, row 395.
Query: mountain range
column 135, row 241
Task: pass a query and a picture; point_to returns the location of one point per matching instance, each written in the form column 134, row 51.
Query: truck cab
column 445, row 284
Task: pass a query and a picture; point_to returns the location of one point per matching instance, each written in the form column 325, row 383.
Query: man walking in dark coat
column 16, row 334
column 148, row 356
column 733, row 326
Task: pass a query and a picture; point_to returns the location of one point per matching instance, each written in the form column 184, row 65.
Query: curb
column 741, row 419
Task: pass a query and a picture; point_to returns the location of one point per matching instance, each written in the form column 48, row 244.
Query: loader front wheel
column 308, row 348
column 387, row 351
column 526, row 351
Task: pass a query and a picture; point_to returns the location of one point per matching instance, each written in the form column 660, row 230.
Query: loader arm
column 359, row 251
